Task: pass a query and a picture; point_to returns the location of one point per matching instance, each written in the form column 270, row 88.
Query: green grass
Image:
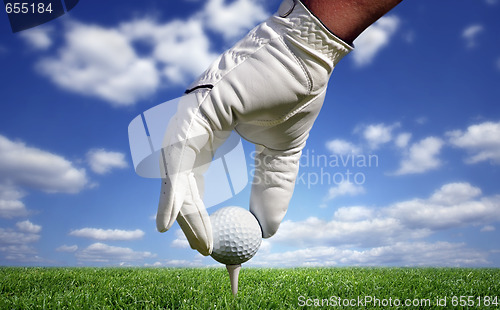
column 208, row 288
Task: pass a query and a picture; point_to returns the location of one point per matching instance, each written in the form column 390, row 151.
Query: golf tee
column 234, row 271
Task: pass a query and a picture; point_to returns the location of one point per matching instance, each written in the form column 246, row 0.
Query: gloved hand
column 269, row 88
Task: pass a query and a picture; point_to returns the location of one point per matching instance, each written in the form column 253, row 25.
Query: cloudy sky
column 401, row 169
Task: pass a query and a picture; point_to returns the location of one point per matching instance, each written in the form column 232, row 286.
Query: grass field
column 208, row 288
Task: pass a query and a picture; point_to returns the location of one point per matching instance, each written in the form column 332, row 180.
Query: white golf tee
column 234, row 271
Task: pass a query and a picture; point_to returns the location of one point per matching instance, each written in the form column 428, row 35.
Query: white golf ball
column 237, row 235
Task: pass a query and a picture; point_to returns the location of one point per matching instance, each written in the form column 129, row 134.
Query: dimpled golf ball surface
column 237, row 235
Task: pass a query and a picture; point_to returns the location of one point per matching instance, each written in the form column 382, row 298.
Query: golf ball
column 237, row 235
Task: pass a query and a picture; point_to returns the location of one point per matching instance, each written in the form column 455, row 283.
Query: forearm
column 349, row 18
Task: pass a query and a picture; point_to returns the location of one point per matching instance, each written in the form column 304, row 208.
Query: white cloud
column 181, row 49
column 342, row 147
column 101, row 62
column 378, row 134
column 345, row 188
column 103, row 253
column 180, row 241
column 421, row 157
column 20, row 253
column 454, row 194
column 421, row 120
column 402, row 139
column 481, row 140
column 105, row 62
column 233, row 19
column 9, row 236
column 108, row 234
column 28, row 227
column 389, row 235
column 10, row 202
column 16, row 245
column 67, row 248
column 488, row 228
column 373, row 39
column 21, row 165
column 400, row 253
column 350, row 226
column 470, row 34
column 453, row 205
column 353, row 214
column 38, row 37
column 102, row 161
column 197, row 262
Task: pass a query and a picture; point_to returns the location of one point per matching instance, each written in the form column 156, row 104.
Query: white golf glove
column 269, row 88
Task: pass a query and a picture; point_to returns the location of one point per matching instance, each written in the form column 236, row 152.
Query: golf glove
column 269, row 88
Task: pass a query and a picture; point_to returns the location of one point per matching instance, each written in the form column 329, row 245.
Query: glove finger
column 184, row 148
column 193, row 218
column 272, row 188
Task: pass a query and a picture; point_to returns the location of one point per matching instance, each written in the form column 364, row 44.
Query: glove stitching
column 200, row 112
column 215, row 77
column 284, row 118
column 301, row 64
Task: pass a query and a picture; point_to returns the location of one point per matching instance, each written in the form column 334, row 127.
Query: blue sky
column 401, row 167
